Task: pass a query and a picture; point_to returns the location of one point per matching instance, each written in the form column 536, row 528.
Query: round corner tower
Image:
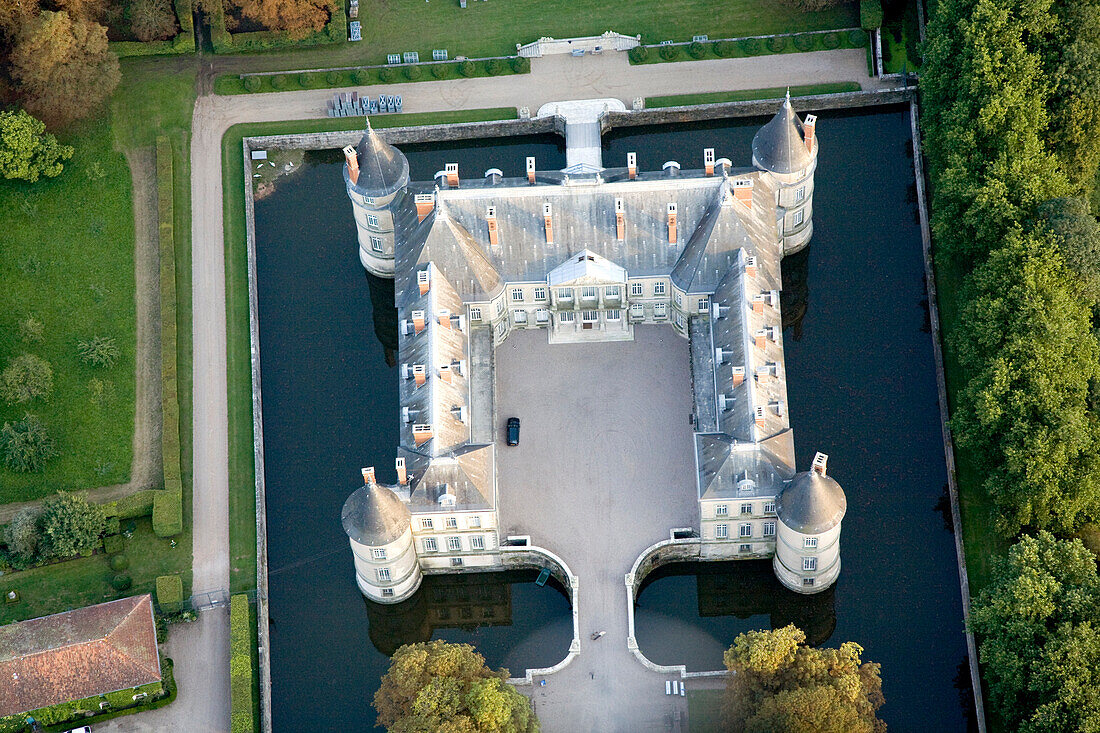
column 379, row 527
column 807, row 549
column 785, row 149
column 377, row 176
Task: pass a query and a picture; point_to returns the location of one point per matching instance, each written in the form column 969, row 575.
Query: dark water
column 861, row 388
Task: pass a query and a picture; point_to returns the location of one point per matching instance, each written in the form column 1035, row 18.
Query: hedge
column 240, row 666
column 183, row 42
column 335, row 31
column 168, row 513
column 870, row 14
column 138, row 504
column 169, row 593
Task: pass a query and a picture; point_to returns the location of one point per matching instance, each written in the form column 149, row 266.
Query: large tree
column 298, row 18
column 152, row 20
column 780, row 684
column 1076, row 233
column 447, row 687
column 64, row 68
column 27, row 151
column 70, row 524
column 1038, row 624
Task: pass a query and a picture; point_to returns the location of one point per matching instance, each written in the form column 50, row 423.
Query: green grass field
column 705, row 711
column 677, row 100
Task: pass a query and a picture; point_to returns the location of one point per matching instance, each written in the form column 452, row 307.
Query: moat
column 861, row 380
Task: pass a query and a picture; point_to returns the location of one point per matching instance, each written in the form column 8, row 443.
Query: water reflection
column 794, row 299
column 385, row 315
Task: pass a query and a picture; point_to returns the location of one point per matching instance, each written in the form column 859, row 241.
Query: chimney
column 353, row 163
column 672, row 223
column 420, row 374
column 809, row 126
column 632, row 165
column 491, row 219
column 445, row 319
column 738, row 375
column 708, row 161
column 422, row 433
column 750, row 266
column 530, row 170
column 758, row 303
column 445, row 373
column 546, row 221
column 620, row 220
column 418, row 321
column 742, row 191
column 759, row 416
column 820, row 459
column 402, row 474
column 368, row 475
column 451, row 169
column 425, row 202
column 761, row 339
column 423, row 279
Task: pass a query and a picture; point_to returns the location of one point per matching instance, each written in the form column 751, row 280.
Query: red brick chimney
column 423, row 280
column 368, row 476
column 671, row 223
column 708, row 161
column 451, row 169
column 402, row 474
column 445, row 373
column 750, row 266
column 820, row 461
column 742, row 191
column 491, row 219
column 420, row 374
column 620, row 220
column 738, row 375
column 425, row 202
column 422, row 433
column 353, row 163
column 547, row 223
column 530, row 170
column 418, row 321
column 632, row 165
column 809, row 126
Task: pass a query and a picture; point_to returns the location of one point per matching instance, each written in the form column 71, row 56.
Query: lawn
column 68, row 261
column 677, row 100
column 494, row 28
column 705, row 711
column 82, row 582
column 242, row 476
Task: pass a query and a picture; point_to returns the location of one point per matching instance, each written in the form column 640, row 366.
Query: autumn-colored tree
column 298, row 18
column 84, row 9
column 780, row 684
column 63, row 67
column 15, row 15
column 447, row 687
column 27, row 151
column 152, row 20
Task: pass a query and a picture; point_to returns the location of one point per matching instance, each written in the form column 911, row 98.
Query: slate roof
column 812, row 503
column 779, row 146
column 382, row 167
column 373, row 515
column 467, row 474
column 69, row 656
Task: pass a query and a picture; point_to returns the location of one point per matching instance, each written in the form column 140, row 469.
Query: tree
column 152, row 20
column 26, row 444
column 15, row 15
column 780, row 684
column 84, row 9
column 1075, row 232
column 27, row 151
column 447, row 687
column 64, row 68
column 21, row 534
column 298, row 18
column 26, row 378
column 70, row 525
column 1038, row 623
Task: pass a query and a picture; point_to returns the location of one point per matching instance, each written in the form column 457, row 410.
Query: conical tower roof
column 374, row 516
column 778, row 146
column 382, row 167
column 812, row 502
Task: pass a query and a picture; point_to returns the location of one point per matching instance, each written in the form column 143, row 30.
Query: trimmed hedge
column 113, row 545
column 697, row 50
column 638, row 54
column 168, row 513
column 520, row 64
column 858, row 39
column 138, row 504
column 805, row 41
column 169, row 593
column 870, row 14
column 183, row 42
column 668, row 53
column 830, row 40
column 776, row 44
column 335, row 31
column 240, row 666
column 749, row 46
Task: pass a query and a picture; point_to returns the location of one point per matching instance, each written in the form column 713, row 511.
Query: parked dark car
column 513, row 431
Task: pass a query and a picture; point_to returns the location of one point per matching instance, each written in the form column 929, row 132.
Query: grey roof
column 811, row 503
column 373, row 516
column 778, row 146
column 449, row 246
column 725, row 464
column 382, row 167
column 468, row 474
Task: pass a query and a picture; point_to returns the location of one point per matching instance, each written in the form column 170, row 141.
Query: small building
column 78, row 654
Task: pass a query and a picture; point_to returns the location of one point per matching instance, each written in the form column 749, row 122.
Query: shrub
column 870, row 14
column 279, row 81
column 776, row 44
column 385, row 75
column 697, row 50
column 668, row 53
column 121, row 582
column 252, row 83
column 857, row 39
column 26, row 444
column 111, row 528
column 168, row 512
column 520, row 64
column 722, row 49
column 119, row 562
column 31, row 330
column 99, row 351
column 152, row 20
column 749, row 46
column 805, row 41
column 466, row 68
column 334, row 78
column 494, row 67
column 26, row 378
column 305, row 80
column 240, row 666
column 21, row 535
column 169, row 592
column 830, row 40
column 412, row 73
column 439, row 71
column 70, row 525
column 638, row 54
column 113, row 544
column 360, row 76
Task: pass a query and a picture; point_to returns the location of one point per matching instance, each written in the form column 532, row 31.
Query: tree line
column 1010, row 93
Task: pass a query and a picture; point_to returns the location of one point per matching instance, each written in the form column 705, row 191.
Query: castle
column 589, row 253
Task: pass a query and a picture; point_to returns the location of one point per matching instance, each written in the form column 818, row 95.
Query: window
column 614, row 315
column 519, row 316
column 426, row 524
column 454, row 544
column 611, row 291
column 500, row 307
column 368, row 200
column 565, row 293
column 477, row 542
column 372, row 220
column 566, row 316
column 501, row 327
column 378, row 554
column 809, row 542
column 660, row 310
column 658, row 288
column 542, row 316
column 451, row 522
column 704, row 303
column 721, row 510
column 475, row 522
column 807, row 582
column 387, row 592
column 769, row 507
column 637, row 311
column 376, row 244
column 383, row 574
column 809, row 563
column 429, row 544
column 475, row 314
column 590, row 316
column 746, row 508
column 745, row 530
column 721, row 531
column 636, row 289
column 680, row 320
column 456, row 562
column 744, row 548
column 589, row 292
column 517, row 293
column 799, row 216
column 679, row 300
column 800, row 194
column 769, row 529
column 540, row 293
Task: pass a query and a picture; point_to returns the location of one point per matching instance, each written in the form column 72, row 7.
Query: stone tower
column 785, row 150
column 807, row 548
column 377, row 176
column 379, row 527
